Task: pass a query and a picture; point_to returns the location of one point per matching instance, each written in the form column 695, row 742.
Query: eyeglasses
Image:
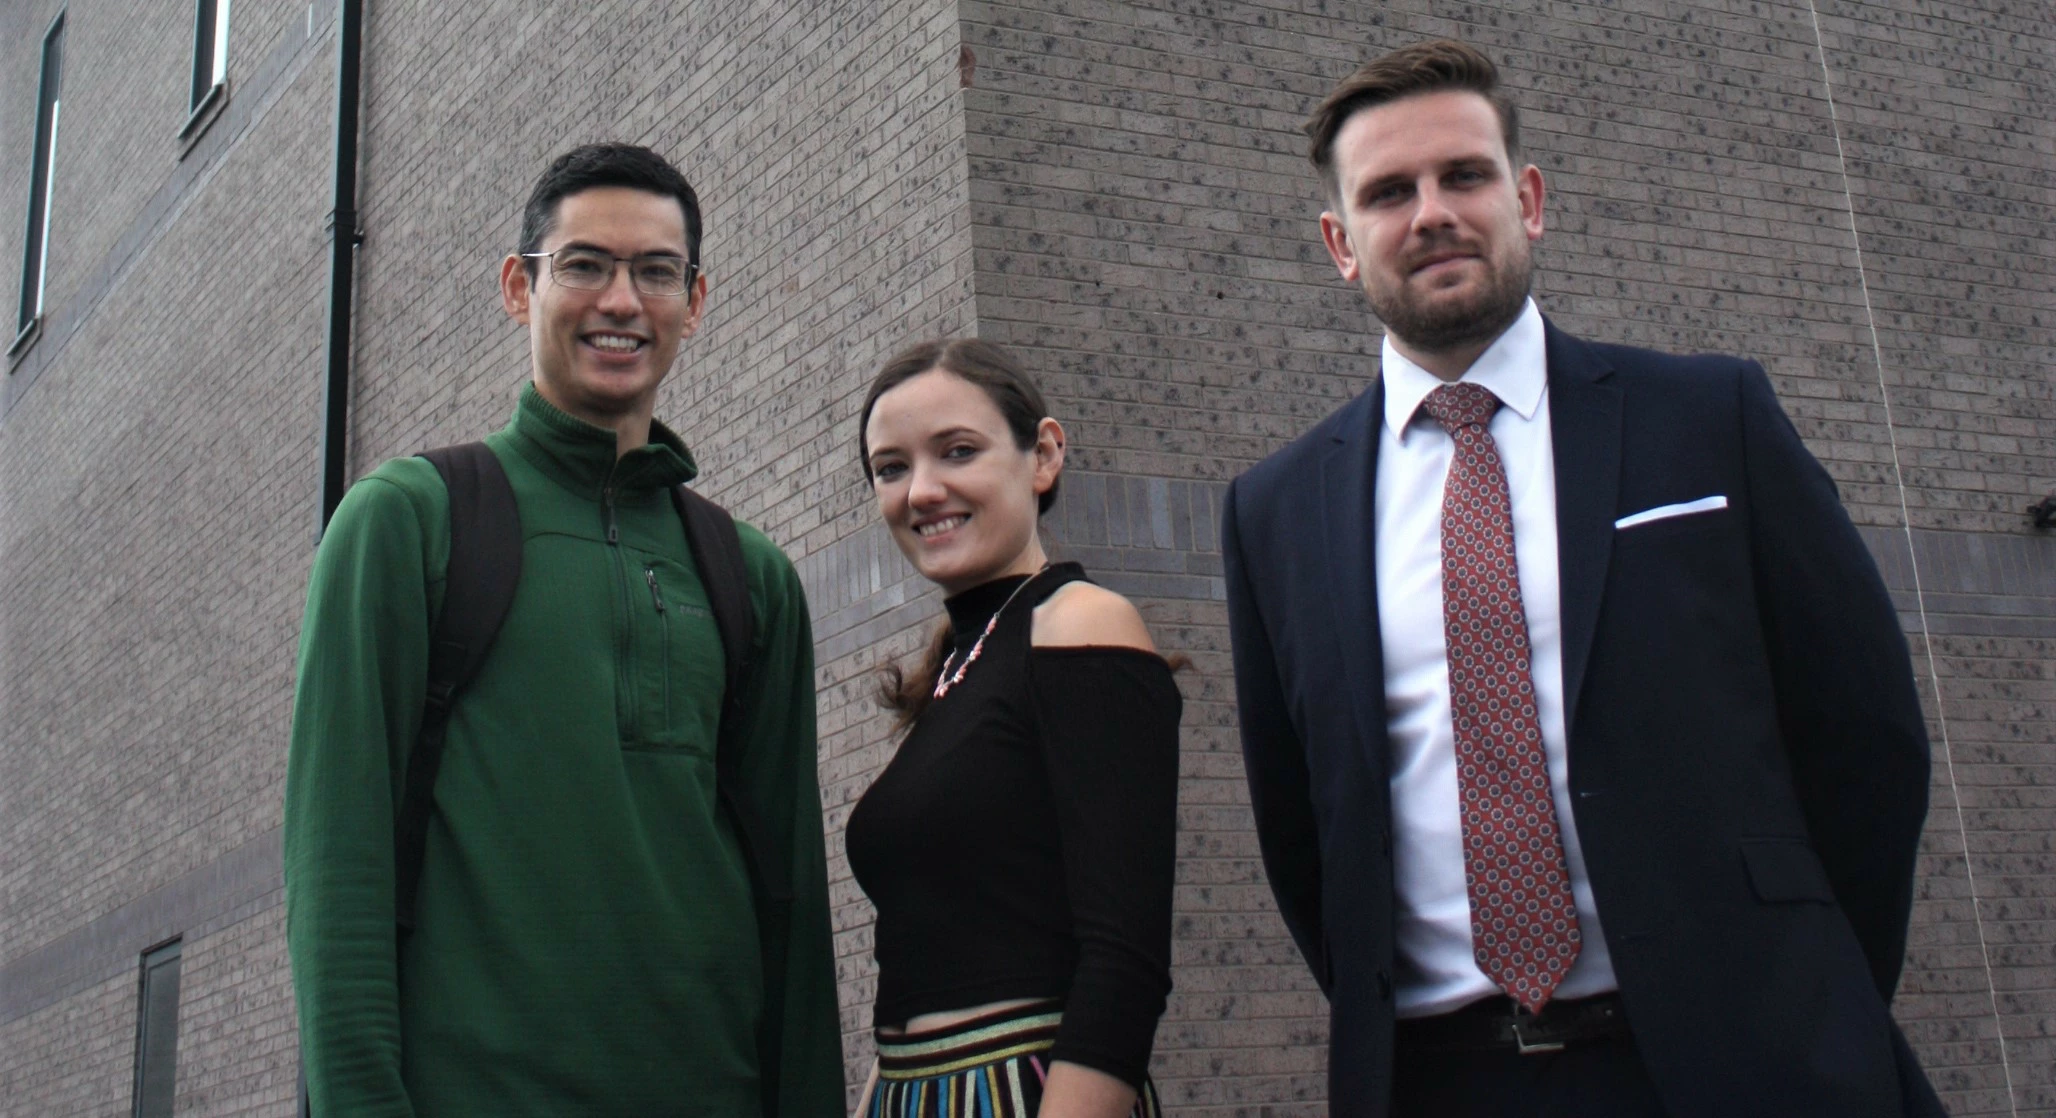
column 591, row 269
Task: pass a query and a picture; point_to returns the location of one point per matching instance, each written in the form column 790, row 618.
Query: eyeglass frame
column 692, row 269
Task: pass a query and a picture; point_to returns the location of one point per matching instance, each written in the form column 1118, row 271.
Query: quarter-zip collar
column 580, row 457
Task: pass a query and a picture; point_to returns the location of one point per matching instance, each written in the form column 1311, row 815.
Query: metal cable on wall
column 1913, row 558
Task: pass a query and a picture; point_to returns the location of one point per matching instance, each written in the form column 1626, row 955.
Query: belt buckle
column 1531, row 1047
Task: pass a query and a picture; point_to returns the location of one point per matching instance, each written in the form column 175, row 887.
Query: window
column 210, row 50
column 35, row 252
column 157, row 1033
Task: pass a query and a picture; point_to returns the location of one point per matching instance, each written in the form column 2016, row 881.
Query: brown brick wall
column 1145, row 231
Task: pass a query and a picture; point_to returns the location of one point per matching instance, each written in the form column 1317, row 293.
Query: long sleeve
column 1847, row 709
column 778, row 774
column 1274, row 759
column 363, row 660
column 1108, row 720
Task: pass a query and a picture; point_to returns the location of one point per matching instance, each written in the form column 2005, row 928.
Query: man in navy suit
column 1581, row 735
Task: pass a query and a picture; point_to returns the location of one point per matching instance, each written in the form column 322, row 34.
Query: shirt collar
column 1514, row 368
column 581, row 457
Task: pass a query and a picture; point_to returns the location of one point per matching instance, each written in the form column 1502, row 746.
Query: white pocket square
column 1665, row 512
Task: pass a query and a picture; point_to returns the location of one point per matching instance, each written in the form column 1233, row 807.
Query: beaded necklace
column 943, row 679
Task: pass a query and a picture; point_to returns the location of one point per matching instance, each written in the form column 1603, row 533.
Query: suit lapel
column 1585, row 431
column 1348, row 490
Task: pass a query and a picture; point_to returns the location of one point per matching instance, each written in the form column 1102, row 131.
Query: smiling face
column 1433, row 221
column 953, row 484
column 599, row 355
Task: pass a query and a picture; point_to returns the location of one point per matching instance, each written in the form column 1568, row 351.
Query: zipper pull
column 607, row 502
column 656, row 596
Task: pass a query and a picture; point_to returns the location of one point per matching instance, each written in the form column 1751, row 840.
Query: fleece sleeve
column 778, row 775
column 357, row 702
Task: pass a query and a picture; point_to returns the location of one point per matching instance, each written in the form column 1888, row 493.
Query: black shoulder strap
column 717, row 550
column 485, row 566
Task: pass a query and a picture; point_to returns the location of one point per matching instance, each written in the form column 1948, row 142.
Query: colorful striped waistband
column 987, row 1038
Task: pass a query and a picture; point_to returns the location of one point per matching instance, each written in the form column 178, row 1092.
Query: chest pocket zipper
column 663, row 628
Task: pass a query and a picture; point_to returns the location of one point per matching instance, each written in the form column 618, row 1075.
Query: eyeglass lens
column 591, row 269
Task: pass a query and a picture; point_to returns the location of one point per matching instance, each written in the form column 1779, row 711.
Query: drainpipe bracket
column 344, row 219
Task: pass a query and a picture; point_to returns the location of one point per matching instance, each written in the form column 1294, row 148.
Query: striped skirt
column 991, row 1066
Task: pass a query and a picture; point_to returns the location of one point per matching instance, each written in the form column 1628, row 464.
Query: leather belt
column 1499, row 1023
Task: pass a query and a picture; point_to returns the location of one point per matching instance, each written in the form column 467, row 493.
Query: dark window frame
column 35, row 247
column 154, row 1096
column 210, row 66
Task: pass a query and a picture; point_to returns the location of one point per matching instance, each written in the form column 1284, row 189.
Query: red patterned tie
column 1524, row 926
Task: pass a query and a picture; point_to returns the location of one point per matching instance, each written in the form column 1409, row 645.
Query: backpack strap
column 484, row 568
column 717, row 550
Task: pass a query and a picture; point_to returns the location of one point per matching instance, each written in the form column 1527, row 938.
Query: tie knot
column 1461, row 405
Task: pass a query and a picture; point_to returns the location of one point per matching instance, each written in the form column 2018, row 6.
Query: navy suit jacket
column 1748, row 760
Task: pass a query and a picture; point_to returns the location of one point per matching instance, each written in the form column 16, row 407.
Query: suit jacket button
column 1384, row 987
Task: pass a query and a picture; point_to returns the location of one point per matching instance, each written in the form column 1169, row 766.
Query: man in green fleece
column 586, row 939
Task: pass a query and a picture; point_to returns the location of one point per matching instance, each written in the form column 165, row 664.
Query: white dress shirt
column 1436, row 969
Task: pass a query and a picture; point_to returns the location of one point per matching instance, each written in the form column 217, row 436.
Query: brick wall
column 154, row 543
column 21, row 45
column 73, row 1057
column 1146, row 233
column 1118, row 192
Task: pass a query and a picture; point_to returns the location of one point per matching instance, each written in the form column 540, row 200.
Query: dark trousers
column 1600, row 1078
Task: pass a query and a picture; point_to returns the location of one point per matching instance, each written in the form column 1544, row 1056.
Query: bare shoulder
column 1081, row 613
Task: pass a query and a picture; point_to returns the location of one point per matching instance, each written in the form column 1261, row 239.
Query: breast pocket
column 1642, row 529
column 1679, row 611
column 679, row 665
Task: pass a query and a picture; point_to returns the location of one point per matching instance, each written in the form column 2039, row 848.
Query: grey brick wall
column 1118, row 191
column 21, row 43
column 154, row 543
column 74, row 1057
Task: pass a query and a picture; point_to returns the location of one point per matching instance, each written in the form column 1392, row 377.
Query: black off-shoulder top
column 1021, row 842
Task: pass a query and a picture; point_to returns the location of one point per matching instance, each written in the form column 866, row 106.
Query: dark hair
column 1020, row 403
column 596, row 165
column 991, row 368
column 1436, row 66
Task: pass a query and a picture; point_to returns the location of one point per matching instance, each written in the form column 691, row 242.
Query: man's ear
column 1336, row 236
column 1528, row 185
column 1049, row 454
column 514, row 288
column 697, row 305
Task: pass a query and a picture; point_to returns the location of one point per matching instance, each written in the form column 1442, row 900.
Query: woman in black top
column 1019, row 846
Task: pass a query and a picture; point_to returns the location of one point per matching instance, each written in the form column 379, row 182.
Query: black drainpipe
column 343, row 238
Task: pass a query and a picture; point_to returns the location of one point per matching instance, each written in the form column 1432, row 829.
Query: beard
column 1440, row 326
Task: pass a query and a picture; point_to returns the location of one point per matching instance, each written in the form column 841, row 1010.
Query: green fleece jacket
column 586, row 940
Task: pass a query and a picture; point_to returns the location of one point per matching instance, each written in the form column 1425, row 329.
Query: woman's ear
column 1049, row 454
